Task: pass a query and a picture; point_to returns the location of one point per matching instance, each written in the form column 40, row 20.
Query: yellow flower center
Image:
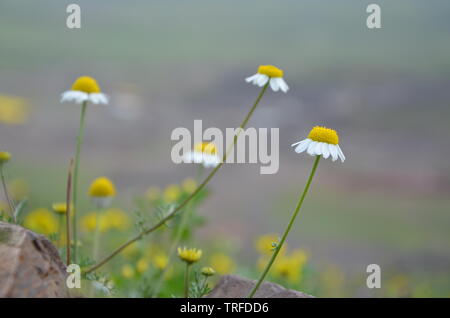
column 207, row 148
column 102, row 187
column 189, row 255
column 86, row 84
column 270, row 70
column 4, row 157
column 323, row 134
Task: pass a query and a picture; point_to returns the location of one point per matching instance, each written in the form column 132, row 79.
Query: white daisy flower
column 321, row 141
column 204, row 153
column 271, row 74
column 84, row 89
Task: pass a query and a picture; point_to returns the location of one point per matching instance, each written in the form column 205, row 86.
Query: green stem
column 189, row 198
column 96, row 245
column 186, row 281
column 286, row 232
column 75, row 178
column 5, row 189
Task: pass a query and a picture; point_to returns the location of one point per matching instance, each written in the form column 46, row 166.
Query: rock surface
column 29, row 265
column 234, row 286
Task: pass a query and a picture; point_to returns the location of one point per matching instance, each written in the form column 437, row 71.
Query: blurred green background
column 166, row 63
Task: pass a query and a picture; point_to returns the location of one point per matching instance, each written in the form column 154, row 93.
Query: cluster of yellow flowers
column 139, row 263
column 42, row 220
column 172, row 193
column 288, row 266
column 109, row 220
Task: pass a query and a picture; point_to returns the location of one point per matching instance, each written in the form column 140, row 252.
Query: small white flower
column 321, row 141
column 271, row 74
column 204, row 153
column 84, row 89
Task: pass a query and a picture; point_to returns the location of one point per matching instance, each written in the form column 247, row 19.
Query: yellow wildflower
column 42, row 221
column 189, row 185
column 102, row 187
column 265, row 244
column 142, row 265
column 290, row 267
column 61, row 207
column 222, row 263
column 189, row 255
column 128, row 271
column 102, row 190
column 208, row 271
column 89, row 222
column 116, row 219
column 172, row 193
column 160, row 260
column 13, row 110
column 4, row 157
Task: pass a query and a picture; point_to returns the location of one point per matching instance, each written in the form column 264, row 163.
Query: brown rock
column 29, row 265
column 234, row 286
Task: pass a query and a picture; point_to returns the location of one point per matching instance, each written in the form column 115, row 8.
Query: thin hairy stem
column 8, row 198
column 75, row 178
column 68, row 211
column 186, row 281
column 288, row 228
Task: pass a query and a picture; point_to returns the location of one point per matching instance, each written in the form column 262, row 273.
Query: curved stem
column 96, row 245
column 189, row 198
column 68, row 211
column 286, row 232
column 186, row 281
column 75, row 178
column 5, row 189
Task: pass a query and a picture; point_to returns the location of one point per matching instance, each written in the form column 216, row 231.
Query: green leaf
column 20, row 208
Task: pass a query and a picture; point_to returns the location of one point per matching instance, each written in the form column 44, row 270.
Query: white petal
column 251, row 78
column 262, row 80
column 210, row 161
column 274, row 84
column 283, row 86
column 303, row 145
column 318, row 149
column 334, row 152
column 74, row 96
column 340, row 153
column 325, row 150
column 98, row 98
column 311, row 148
